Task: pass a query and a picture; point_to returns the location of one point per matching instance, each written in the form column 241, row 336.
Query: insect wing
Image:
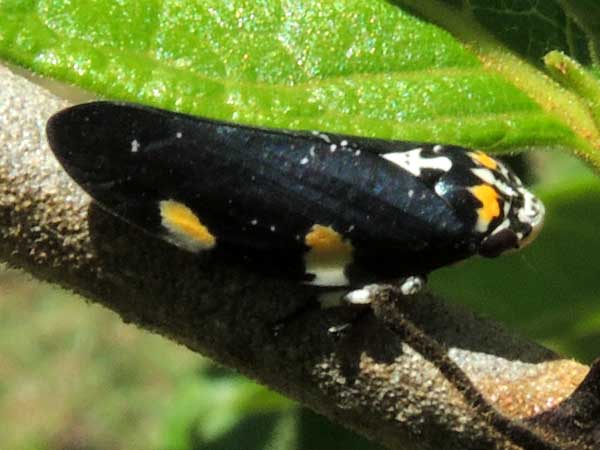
column 199, row 182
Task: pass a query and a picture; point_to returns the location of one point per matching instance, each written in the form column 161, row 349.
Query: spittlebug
column 332, row 210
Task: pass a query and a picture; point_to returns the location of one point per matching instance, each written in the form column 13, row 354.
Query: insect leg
column 364, row 296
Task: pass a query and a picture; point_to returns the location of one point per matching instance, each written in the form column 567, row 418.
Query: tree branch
column 402, row 384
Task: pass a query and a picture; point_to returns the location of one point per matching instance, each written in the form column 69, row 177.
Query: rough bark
column 416, row 374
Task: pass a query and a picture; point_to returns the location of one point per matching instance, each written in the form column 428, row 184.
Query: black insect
column 335, row 210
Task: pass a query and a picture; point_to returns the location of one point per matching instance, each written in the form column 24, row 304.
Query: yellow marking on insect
column 484, row 159
column 490, row 208
column 184, row 227
column 328, row 256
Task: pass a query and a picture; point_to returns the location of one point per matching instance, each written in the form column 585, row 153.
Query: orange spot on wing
column 490, row 208
column 328, row 256
column 326, row 241
column 485, row 160
column 182, row 223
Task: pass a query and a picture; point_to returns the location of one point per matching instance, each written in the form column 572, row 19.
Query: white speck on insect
column 312, row 151
column 253, row 178
column 350, row 228
column 178, row 135
column 272, row 228
column 135, row 146
column 411, row 193
column 437, row 148
column 332, row 148
column 344, row 143
column 357, row 153
column 304, row 160
column 254, row 221
column 322, row 136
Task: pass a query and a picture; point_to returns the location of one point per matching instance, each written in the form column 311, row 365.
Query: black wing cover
column 259, row 189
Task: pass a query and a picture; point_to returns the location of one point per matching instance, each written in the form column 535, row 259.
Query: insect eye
column 498, row 243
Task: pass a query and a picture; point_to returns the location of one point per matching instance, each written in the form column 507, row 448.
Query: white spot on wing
column 135, row 146
column 322, row 136
column 413, row 162
column 326, row 275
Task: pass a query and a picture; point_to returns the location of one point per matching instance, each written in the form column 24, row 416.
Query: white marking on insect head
column 441, row 189
column 487, row 176
column 437, row 148
column 332, row 148
column 304, row 160
column 503, row 169
column 413, row 162
column 505, row 224
column 532, row 212
column 135, row 146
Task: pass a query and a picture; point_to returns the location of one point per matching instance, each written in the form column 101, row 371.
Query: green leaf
column 495, row 47
column 210, row 408
column 533, row 28
column 219, row 411
column 366, row 68
column 575, row 77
